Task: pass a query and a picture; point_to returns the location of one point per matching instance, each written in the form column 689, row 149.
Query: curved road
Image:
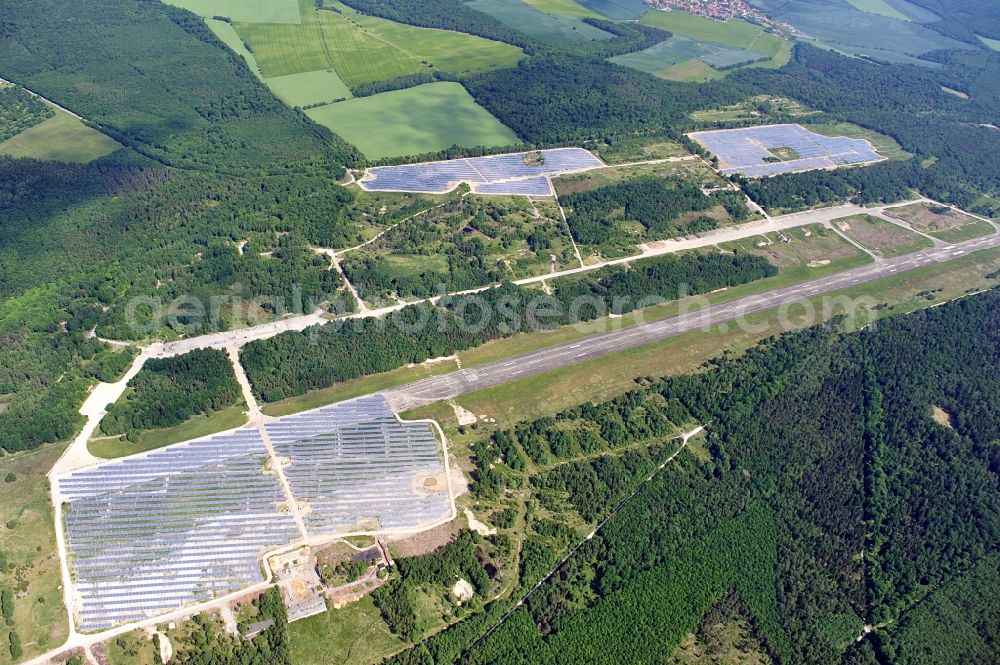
column 446, row 386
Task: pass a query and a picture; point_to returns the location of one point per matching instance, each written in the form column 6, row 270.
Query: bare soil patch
column 942, row 417
column 424, row 542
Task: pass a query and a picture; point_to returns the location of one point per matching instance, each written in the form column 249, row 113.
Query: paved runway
column 435, row 389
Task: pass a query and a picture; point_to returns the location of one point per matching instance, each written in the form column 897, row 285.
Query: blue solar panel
column 359, row 468
column 495, row 174
column 746, row 151
column 180, row 525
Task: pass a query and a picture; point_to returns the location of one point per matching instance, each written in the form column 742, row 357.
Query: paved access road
column 446, row 386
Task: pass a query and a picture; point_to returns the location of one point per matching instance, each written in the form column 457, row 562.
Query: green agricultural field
column 549, row 28
column 880, row 7
column 734, row 32
column 309, row 88
column 617, row 10
column 362, row 49
column 62, row 138
column 225, row 32
column 287, row 49
column 661, row 56
column 701, row 45
column 690, row 71
column 449, row 51
column 249, row 11
column 657, row 59
column 427, row 118
column 564, row 7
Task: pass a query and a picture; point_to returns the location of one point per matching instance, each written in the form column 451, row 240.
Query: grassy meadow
column 426, row 118
column 60, row 138
column 251, row 11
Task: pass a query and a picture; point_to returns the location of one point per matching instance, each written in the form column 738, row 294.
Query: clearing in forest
column 61, row 138
column 423, row 119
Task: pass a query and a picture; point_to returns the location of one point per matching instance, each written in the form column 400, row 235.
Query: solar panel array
column 151, row 533
column 183, row 524
column 496, row 174
column 361, row 469
column 746, row 150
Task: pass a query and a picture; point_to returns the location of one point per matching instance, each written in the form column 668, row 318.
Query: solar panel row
column 496, row 174
column 153, row 532
column 360, row 468
column 748, row 151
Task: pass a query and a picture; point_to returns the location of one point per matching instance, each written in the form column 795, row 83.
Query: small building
column 306, row 608
column 255, row 629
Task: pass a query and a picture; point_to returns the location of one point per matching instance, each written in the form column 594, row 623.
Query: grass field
column 564, row 7
column 363, row 49
column 690, row 71
column 617, row 10
column 880, row 7
column 449, row 51
column 550, row 28
column 884, row 145
column 990, row 43
column 249, row 11
column 352, row 635
column 61, row 138
column 700, row 45
column 881, row 237
column 225, row 31
column 29, row 548
column 307, row 88
column 733, row 33
column 427, row 118
column 661, row 56
column 195, row 427
column 942, row 222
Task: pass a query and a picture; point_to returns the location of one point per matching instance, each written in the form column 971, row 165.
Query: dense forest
column 827, row 495
column 885, row 182
column 596, row 217
column 168, row 391
column 295, row 362
column 552, row 99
